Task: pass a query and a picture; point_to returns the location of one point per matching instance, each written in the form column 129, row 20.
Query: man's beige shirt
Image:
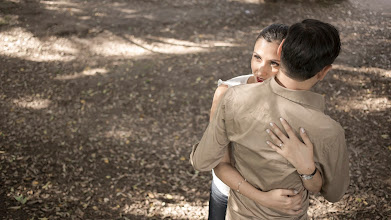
column 243, row 116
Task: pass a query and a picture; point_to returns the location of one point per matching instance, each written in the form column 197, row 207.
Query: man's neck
column 283, row 80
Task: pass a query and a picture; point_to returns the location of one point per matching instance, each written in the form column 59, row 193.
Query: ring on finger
column 281, row 144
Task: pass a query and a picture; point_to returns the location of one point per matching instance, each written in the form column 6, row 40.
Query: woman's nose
column 262, row 70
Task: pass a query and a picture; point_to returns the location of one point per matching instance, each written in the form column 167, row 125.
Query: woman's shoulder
column 239, row 80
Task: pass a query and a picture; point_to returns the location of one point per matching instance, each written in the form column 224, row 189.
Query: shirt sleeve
column 334, row 168
column 207, row 154
column 239, row 80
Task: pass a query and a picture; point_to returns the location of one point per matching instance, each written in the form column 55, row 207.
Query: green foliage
column 21, row 199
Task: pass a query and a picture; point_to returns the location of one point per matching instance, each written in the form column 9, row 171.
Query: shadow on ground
column 101, row 102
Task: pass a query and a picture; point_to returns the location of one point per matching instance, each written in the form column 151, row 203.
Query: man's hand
column 284, row 200
column 299, row 154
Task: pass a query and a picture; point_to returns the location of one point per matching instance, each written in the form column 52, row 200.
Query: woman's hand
column 299, row 154
column 284, row 200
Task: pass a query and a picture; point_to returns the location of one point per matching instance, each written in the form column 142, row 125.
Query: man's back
column 248, row 111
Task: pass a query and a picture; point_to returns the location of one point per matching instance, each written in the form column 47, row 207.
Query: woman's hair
column 274, row 33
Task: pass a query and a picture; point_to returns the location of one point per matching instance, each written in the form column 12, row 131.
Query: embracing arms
column 285, row 200
column 331, row 177
column 299, row 154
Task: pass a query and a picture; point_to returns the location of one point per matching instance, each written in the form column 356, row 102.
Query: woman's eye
column 257, row 57
column 274, row 64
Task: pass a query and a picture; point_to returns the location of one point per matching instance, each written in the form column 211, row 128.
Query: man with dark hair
column 246, row 111
column 303, row 61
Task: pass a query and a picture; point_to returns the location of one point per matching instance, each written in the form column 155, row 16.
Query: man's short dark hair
column 274, row 33
column 309, row 47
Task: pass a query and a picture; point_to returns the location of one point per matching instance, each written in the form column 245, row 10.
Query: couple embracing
column 269, row 142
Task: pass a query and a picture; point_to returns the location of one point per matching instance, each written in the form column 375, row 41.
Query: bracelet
column 240, row 183
column 308, row 177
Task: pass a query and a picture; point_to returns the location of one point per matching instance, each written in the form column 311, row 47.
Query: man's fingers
column 278, row 132
column 305, row 137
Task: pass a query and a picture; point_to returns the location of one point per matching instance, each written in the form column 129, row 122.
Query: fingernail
column 302, row 130
column 271, row 124
column 267, row 142
column 281, row 119
column 268, row 131
column 295, row 191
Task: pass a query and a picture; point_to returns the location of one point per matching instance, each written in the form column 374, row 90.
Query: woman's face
column 265, row 61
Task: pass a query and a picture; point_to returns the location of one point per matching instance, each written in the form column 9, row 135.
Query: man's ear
column 279, row 50
column 324, row 72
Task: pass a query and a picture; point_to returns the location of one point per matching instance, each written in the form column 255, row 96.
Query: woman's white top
column 239, row 80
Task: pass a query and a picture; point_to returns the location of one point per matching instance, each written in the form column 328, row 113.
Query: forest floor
column 100, row 102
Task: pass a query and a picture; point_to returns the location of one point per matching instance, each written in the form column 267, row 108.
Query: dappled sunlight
column 176, row 42
column 84, row 73
column 72, row 11
column 133, row 46
column 181, row 209
column 369, row 104
column 249, row 1
column 32, row 102
column 370, row 70
column 127, row 11
column 49, row 4
column 166, row 205
column 19, row 43
column 139, row 47
column 119, row 134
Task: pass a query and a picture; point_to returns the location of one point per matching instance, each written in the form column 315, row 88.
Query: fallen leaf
column 150, row 195
column 14, row 207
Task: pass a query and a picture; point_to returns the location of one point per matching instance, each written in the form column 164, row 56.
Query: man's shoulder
column 334, row 128
column 251, row 88
column 328, row 131
column 247, row 94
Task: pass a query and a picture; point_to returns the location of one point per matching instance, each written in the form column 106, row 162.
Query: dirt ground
column 100, row 102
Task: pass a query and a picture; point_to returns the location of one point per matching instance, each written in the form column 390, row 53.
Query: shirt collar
column 304, row 97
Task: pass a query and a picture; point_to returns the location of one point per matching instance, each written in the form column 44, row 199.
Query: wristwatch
column 308, row 177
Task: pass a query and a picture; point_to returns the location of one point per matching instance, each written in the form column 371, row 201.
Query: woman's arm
column 284, row 200
column 287, row 201
column 220, row 91
column 299, row 154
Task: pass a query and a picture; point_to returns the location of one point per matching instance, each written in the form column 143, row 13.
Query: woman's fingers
column 278, row 132
column 293, row 212
column 288, row 192
column 277, row 149
column 287, row 128
column 275, row 139
column 305, row 137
